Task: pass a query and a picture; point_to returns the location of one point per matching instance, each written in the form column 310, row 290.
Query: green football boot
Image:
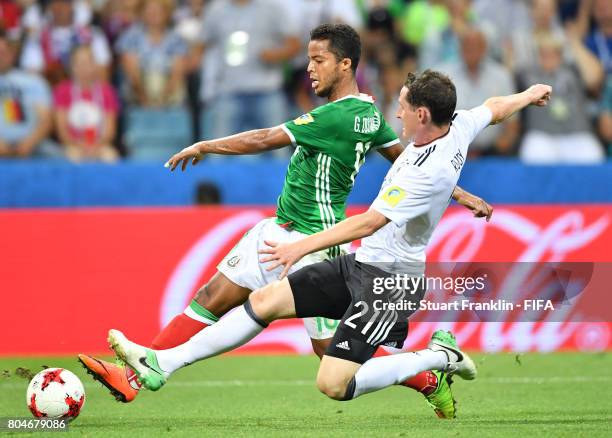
column 141, row 359
column 459, row 363
column 442, row 400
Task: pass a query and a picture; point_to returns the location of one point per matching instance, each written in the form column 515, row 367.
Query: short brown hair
column 436, row 92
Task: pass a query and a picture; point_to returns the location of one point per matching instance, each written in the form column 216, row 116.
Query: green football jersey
column 331, row 144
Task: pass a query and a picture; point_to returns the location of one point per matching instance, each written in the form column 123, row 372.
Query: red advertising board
column 67, row 276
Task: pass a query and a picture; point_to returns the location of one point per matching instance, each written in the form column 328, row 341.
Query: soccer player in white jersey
column 331, row 144
column 395, row 232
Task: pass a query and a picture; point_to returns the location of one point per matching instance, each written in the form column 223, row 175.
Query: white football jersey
column 416, row 192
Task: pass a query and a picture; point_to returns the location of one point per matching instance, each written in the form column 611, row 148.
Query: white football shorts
column 241, row 265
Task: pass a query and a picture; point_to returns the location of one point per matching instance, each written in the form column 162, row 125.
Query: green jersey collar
column 362, row 96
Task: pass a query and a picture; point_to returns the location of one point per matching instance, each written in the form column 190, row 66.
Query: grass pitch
column 548, row 395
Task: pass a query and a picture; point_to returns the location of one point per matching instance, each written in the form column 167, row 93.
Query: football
column 55, row 393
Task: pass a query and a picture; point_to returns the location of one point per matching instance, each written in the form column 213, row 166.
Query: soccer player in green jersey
column 331, row 143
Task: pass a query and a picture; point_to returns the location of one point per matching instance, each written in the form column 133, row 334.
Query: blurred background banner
column 69, row 275
column 259, row 182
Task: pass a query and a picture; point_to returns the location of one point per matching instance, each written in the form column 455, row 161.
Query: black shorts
column 371, row 313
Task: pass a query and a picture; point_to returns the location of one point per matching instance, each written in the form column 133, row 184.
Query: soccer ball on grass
column 55, row 393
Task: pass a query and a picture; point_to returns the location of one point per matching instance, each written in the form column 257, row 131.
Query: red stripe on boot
column 425, row 382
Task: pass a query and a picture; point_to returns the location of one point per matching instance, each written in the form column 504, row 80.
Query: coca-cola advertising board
column 70, row 275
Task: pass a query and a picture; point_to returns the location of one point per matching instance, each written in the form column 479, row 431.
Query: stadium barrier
column 69, row 275
column 258, row 182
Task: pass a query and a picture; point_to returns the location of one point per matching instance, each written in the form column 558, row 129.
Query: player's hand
column 480, row 208
column 286, row 255
column 540, row 94
column 191, row 153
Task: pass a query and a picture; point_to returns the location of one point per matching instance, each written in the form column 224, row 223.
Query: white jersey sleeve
column 407, row 196
column 471, row 122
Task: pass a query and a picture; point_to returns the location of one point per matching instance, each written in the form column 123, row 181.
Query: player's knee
column 333, row 388
column 262, row 302
column 219, row 295
column 203, row 296
column 273, row 301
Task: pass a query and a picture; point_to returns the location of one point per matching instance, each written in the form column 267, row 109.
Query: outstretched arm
column 502, row 107
column 353, row 228
column 249, row 142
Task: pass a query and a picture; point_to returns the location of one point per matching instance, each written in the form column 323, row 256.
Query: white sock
column 236, row 329
column 380, row 372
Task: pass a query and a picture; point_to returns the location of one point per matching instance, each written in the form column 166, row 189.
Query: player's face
column 323, row 67
column 407, row 115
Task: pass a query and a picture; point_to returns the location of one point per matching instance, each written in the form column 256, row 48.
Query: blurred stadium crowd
column 106, row 79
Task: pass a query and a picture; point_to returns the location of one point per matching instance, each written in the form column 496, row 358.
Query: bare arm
column 392, row 152
column 194, row 57
column 605, row 126
column 583, row 16
column 61, row 126
column 478, row 206
column 109, row 129
column 131, row 68
column 590, row 69
column 40, row 132
column 502, row 107
column 353, row 228
column 177, row 78
column 249, row 142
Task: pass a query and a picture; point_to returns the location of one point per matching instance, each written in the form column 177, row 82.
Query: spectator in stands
column 478, row 77
column 562, row 132
column 500, row 20
column 418, row 17
column 36, row 14
column 306, row 14
column 86, row 111
column 117, row 16
column 153, row 61
column 390, row 78
column 25, row 114
column 188, row 19
column 10, row 18
column 47, row 50
column 522, row 52
column 351, row 12
column 252, row 38
column 605, row 115
column 153, row 58
column 600, row 40
column 441, row 43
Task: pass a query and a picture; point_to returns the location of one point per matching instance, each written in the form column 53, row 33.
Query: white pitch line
column 221, row 383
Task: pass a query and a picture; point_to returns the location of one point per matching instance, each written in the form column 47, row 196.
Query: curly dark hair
column 344, row 41
column 435, row 91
